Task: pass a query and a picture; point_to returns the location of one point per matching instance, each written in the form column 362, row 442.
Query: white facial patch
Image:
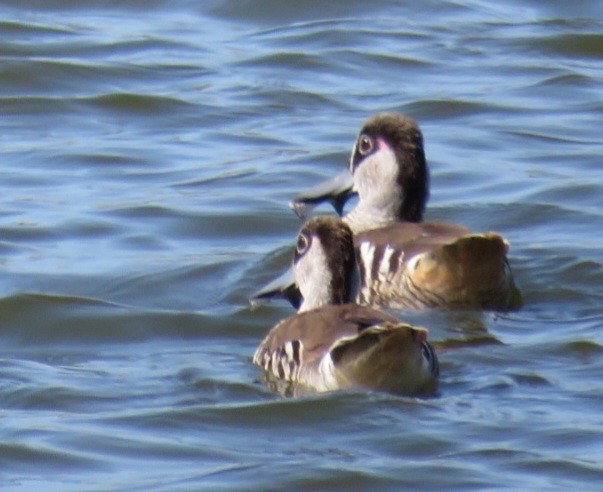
column 376, row 180
column 313, row 276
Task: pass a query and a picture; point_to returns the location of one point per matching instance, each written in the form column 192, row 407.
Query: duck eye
column 302, row 244
column 365, row 144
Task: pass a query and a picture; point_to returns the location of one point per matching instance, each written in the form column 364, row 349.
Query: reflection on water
column 148, row 157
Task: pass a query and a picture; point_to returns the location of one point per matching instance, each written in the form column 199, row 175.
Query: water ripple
column 147, row 159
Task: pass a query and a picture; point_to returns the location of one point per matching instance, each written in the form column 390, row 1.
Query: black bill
column 283, row 287
column 336, row 191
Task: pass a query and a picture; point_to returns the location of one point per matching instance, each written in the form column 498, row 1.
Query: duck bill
column 336, row 191
column 283, row 287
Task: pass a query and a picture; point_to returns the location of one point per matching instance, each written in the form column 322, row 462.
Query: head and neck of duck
column 388, row 171
column 324, row 263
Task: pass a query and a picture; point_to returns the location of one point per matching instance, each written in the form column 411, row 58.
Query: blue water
column 147, row 156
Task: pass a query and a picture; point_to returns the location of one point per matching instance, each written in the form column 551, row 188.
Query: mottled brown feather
column 320, row 328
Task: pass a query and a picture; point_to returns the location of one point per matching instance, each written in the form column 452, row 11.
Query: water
column 146, row 159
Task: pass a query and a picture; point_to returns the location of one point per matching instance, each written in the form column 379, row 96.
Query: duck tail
column 384, row 357
column 473, row 267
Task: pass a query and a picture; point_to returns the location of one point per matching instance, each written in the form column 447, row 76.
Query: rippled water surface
column 147, row 155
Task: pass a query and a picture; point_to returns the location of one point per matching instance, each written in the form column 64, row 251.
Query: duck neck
column 333, row 287
column 364, row 218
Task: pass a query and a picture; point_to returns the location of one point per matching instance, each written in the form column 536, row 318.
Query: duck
column 332, row 343
column 404, row 262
